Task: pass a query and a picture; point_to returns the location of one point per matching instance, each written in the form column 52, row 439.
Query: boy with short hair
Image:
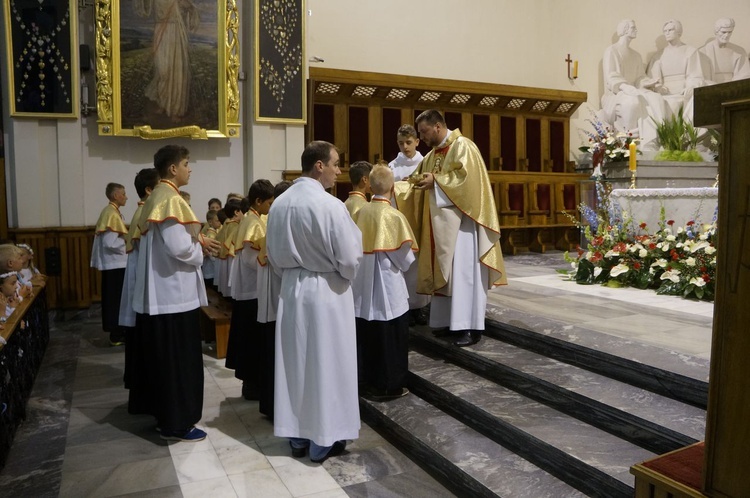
column 225, row 237
column 108, row 256
column 242, row 349
column 169, row 290
column 381, row 299
column 145, row 182
column 214, row 204
column 408, row 157
column 359, row 176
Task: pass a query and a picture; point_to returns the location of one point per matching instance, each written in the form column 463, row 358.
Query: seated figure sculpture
column 723, row 61
column 677, row 70
column 629, row 98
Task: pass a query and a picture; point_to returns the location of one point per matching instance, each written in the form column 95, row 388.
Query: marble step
column 654, row 422
column 626, row 361
column 588, row 458
column 465, row 461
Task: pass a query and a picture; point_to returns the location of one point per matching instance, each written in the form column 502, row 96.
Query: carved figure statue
column 629, row 97
column 723, row 61
column 677, row 70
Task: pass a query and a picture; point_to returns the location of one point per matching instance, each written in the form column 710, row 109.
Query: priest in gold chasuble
column 450, row 205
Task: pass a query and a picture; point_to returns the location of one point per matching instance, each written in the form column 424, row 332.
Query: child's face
column 215, row 223
column 8, row 287
column 262, row 207
column 25, row 258
column 408, row 145
column 214, row 206
column 119, row 197
column 15, row 263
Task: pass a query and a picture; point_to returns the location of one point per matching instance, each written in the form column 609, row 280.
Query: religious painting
column 167, row 68
column 280, row 90
column 42, row 58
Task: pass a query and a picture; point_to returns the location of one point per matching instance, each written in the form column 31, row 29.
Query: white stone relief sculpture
column 723, row 61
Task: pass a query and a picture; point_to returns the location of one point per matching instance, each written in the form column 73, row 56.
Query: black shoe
column 423, row 315
column 445, row 332
column 337, row 449
column 298, row 452
column 469, row 338
column 387, row 394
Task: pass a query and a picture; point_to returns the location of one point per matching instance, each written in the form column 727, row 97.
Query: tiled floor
column 79, row 440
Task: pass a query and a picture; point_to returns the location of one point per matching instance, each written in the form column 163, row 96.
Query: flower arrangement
column 616, row 144
column 673, row 260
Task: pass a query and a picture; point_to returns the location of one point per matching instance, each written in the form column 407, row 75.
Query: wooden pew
column 215, row 320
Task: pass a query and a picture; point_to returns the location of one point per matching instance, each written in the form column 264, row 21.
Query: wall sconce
column 574, row 73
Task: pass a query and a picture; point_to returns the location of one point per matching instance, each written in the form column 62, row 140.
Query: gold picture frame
column 280, row 71
column 167, row 68
column 42, row 52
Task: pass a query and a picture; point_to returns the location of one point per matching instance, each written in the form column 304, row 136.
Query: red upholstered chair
column 512, row 203
column 541, row 202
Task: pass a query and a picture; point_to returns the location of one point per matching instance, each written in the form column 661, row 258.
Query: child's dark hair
column 146, row 178
column 281, row 187
column 167, row 156
column 260, row 189
column 359, row 170
column 231, row 208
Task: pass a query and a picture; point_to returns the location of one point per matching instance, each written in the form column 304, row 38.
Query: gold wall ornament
column 167, row 68
column 280, row 79
column 42, row 53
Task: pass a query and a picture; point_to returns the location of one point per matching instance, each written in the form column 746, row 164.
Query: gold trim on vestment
column 110, row 220
column 383, row 228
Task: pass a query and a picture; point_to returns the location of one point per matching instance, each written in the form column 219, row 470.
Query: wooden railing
column 72, row 283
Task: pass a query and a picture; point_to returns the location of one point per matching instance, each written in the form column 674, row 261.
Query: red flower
column 706, row 278
column 597, row 241
column 620, row 247
column 690, row 223
column 637, row 265
column 703, row 269
column 652, row 246
column 674, row 255
column 670, row 222
column 597, row 256
column 643, row 226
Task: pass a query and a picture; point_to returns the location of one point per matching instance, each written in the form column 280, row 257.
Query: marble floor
column 79, row 440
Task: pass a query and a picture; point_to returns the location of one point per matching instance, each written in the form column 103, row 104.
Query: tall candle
column 575, row 69
column 631, row 163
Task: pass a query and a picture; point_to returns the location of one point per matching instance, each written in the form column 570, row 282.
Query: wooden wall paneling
column 323, row 123
column 358, row 134
column 546, row 158
column 495, row 159
column 375, row 135
column 341, row 131
column 407, row 115
column 467, row 124
column 3, row 199
column 521, row 155
column 481, row 136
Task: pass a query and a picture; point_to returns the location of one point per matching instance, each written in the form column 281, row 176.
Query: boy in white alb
column 403, row 166
column 381, row 300
column 145, row 182
column 108, row 256
column 169, row 290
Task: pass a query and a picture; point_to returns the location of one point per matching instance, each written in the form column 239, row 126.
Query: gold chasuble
column 461, row 174
column 383, row 228
column 134, row 231
column 166, row 203
column 251, row 231
column 110, row 220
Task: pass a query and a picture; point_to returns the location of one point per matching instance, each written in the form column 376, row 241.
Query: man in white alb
column 314, row 244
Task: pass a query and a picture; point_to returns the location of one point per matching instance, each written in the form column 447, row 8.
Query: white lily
column 690, row 261
column 673, row 275
column 619, row 269
column 698, row 281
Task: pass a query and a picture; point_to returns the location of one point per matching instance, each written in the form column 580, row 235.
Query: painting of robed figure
column 177, row 71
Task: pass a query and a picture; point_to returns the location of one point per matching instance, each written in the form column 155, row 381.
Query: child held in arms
column 381, row 299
